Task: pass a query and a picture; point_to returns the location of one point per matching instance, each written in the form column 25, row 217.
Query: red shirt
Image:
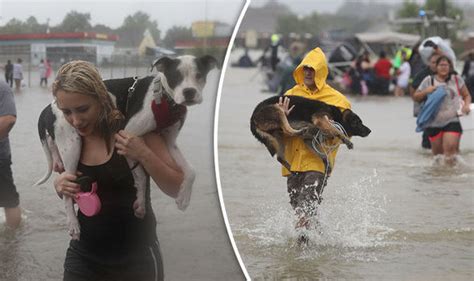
column 382, row 68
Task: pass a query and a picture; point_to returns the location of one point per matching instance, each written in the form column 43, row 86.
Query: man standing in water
column 9, row 198
column 309, row 174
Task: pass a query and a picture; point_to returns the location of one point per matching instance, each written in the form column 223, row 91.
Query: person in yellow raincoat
column 307, row 178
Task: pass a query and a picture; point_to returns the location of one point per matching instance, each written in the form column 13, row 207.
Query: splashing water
column 350, row 218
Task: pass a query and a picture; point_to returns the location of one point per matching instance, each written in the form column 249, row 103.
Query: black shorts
column 305, row 191
column 9, row 197
column 142, row 265
column 453, row 127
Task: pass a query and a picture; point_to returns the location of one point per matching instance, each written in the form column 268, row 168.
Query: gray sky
column 305, row 7
column 166, row 13
column 113, row 12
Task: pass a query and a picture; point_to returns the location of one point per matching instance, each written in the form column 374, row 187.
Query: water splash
column 352, row 217
column 348, row 219
column 444, row 166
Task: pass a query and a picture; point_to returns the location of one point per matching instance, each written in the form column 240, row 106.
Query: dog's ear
column 207, row 63
column 161, row 64
column 346, row 114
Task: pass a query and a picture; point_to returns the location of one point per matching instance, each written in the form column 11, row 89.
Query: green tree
column 74, row 22
column 437, row 7
column 176, row 33
column 100, row 28
column 409, row 9
column 433, row 8
column 291, row 23
column 133, row 27
column 13, row 26
column 32, row 26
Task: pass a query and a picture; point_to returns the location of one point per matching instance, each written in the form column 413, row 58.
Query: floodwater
column 194, row 243
column 390, row 211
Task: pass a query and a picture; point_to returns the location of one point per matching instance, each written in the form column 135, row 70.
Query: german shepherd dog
column 269, row 124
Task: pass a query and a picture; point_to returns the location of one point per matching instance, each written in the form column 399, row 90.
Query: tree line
column 130, row 32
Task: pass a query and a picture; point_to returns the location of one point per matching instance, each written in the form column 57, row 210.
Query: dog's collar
column 167, row 112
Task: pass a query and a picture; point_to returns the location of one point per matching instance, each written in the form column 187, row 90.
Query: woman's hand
column 130, row 146
column 430, row 89
column 466, row 108
column 65, row 185
column 284, row 103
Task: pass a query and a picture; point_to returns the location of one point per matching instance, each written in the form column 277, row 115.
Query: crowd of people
column 365, row 77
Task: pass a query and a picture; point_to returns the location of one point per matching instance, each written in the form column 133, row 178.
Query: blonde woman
column 114, row 244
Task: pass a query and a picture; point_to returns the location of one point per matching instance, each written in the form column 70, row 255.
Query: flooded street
column 389, row 211
column 194, row 243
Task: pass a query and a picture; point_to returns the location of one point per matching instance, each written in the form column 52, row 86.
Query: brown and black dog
column 269, row 124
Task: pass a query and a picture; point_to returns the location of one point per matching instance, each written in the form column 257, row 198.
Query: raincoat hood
column 324, row 92
column 316, row 60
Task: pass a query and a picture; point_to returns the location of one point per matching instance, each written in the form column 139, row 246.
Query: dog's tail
column 285, row 125
column 49, row 157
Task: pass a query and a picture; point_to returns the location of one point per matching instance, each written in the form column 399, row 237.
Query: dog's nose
column 189, row 93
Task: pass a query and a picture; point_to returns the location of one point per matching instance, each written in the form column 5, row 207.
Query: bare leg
column 437, row 145
column 451, row 146
column 13, row 217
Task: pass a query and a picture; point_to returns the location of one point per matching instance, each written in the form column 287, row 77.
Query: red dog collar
column 166, row 114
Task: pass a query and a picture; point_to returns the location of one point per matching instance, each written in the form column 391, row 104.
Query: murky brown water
column 389, row 212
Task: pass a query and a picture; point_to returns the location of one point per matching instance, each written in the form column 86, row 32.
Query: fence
column 118, row 66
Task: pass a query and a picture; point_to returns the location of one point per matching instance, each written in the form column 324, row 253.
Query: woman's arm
column 422, row 93
column 466, row 97
column 153, row 154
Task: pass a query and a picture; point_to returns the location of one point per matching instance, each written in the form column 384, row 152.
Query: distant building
column 58, row 47
column 147, row 42
column 206, row 34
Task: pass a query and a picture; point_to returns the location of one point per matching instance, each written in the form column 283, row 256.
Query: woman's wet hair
column 82, row 77
column 451, row 66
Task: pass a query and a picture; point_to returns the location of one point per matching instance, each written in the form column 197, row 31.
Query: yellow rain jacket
column 298, row 155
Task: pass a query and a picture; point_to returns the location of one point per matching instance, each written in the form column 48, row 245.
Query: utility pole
column 444, row 28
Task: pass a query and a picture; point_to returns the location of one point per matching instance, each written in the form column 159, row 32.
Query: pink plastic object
column 89, row 202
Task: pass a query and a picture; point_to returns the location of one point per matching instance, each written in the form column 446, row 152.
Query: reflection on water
column 390, row 210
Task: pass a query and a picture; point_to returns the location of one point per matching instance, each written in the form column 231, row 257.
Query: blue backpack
column 430, row 108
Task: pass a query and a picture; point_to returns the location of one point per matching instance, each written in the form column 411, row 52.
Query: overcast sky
column 113, row 12
column 166, row 13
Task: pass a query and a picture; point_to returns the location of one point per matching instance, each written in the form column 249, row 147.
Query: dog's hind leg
column 274, row 143
column 139, row 176
column 323, row 123
column 281, row 151
column 69, row 146
column 184, row 196
column 285, row 125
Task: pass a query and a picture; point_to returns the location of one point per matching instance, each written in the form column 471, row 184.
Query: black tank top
column 115, row 229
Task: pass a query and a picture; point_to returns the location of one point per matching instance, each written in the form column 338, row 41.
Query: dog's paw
column 139, row 209
column 311, row 131
column 74, row 231
column 349, row 144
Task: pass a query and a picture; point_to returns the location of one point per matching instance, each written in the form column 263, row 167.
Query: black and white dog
column 178, row 83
